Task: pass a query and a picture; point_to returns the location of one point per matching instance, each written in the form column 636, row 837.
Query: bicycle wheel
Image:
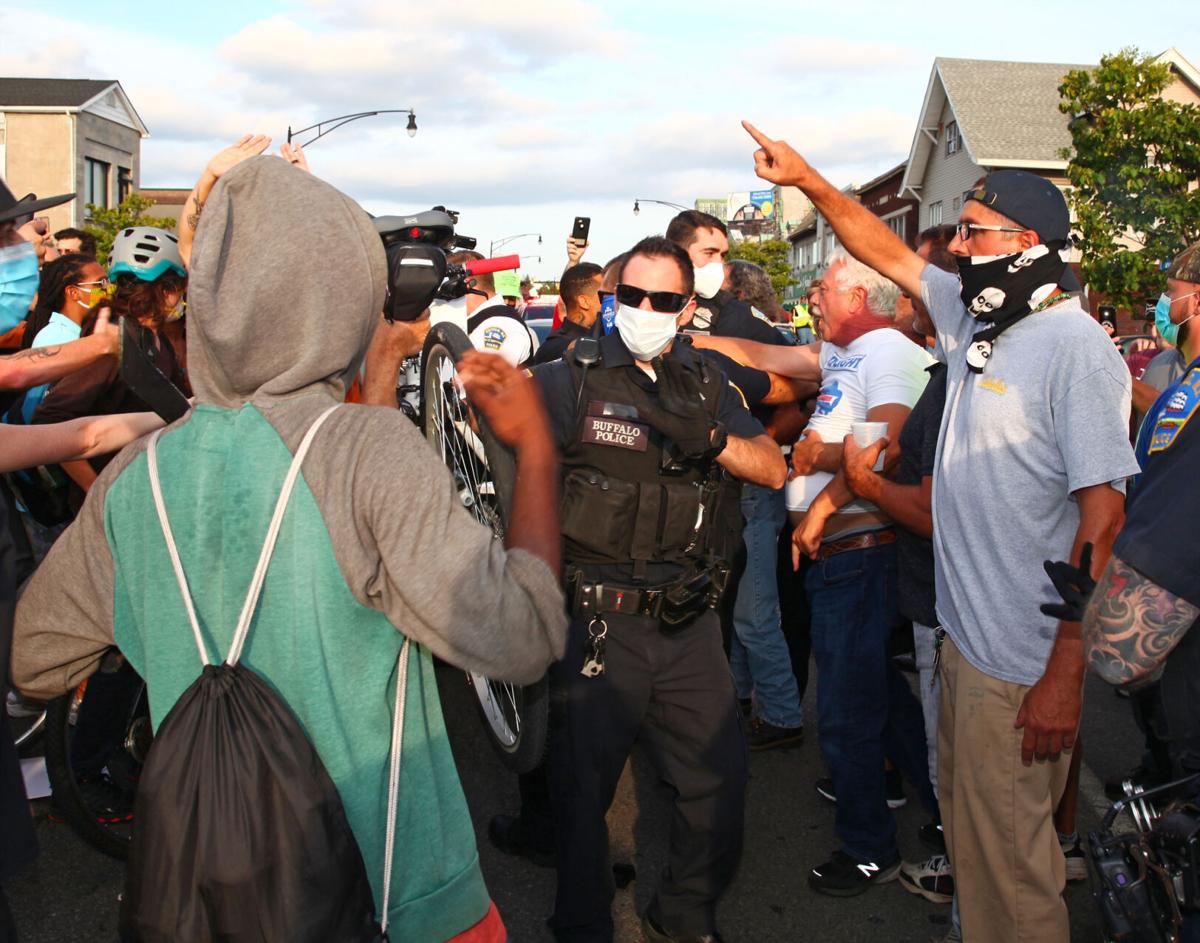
column 85, row 800
column 514, row 716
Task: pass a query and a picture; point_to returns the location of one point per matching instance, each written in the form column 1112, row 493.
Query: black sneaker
column 110, row 804
column 933, row 837
column 894, row 787
column 656, row 934
column 511, row 835
column 765, row 736
column 842, row 876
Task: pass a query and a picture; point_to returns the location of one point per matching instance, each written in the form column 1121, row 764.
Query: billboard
column 764, row 201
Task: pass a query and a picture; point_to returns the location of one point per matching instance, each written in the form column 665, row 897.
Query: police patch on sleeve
column 494, row 337
column 1180, row 408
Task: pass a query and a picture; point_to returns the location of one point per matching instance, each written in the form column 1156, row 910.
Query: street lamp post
column 496, row 244
column 637, row 209
column 335, row 123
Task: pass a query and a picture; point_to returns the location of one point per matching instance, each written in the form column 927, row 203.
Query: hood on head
column 286, row 285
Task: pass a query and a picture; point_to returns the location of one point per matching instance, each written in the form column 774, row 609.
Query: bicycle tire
column 515, row 718
column 68, row 802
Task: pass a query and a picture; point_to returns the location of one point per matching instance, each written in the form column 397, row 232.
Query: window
column 953, row 139
column 896, row 225
column 830, row 243
column 124, row 183
column 935, row 213
column 95, row 182
column 956, row 205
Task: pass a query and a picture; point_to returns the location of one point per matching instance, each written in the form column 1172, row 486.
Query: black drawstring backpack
column 240, row 834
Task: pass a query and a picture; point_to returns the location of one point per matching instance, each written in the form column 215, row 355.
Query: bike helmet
column 146, row 253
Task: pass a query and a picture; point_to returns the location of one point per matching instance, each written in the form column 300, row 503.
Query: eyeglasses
column 663, row 301
column 964, row 230
column 101, row 281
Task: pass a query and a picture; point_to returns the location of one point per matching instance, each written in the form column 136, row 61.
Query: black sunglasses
column 664, row 301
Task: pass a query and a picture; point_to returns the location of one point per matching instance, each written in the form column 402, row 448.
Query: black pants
column 674, row 691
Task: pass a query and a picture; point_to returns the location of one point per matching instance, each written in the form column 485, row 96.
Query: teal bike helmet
column 146, row 253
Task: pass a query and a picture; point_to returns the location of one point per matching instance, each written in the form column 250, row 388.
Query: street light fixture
column 335, row 123
column 637, row 209
column 493, row 246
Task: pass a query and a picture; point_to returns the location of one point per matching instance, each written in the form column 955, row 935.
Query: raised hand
column 507, row 398
column 575, row 250
column 251, row 145
column 777, row 161
column 294, row 155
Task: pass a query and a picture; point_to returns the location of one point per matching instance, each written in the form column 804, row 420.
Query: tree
column 1133, row 158
column 771, row 256
column 131, row 211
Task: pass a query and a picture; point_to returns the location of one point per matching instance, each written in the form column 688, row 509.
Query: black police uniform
column 1161, row 541
column 723, row 315
column 562, row 337
column 630, row 513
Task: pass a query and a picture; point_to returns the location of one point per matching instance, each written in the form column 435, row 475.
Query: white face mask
column 645, row 333
column 709, row 278
column 453, row 311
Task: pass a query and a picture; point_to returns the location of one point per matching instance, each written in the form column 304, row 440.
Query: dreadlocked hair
column 144, row 301
column 52, row 292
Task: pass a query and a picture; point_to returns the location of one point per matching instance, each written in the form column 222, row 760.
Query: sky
column 532, row 112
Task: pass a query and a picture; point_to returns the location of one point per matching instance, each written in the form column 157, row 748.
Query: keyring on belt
column 596, row 620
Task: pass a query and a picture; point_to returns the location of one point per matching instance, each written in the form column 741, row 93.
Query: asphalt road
column 71, row 891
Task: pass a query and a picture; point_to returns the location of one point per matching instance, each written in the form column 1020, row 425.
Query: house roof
column 50, row 93
column 807, row 224
column 882, row 178
column 104, row 97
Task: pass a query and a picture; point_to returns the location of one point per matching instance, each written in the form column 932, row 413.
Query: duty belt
column 875, row 538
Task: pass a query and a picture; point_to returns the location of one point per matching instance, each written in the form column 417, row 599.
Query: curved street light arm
column 337, row 122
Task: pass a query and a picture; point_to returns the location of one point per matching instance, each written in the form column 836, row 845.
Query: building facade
column 79, row 136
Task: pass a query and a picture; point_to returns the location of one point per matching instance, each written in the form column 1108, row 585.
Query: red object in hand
column 486, row 266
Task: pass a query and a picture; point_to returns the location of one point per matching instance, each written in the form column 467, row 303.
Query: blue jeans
column 758, row 651
column 866, row 710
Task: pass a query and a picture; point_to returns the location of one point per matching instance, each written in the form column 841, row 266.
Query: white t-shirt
column 504, row 334
column 881, row 367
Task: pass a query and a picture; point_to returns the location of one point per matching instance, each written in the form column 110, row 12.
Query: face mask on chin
column 646, row 333
column 709, row 278
column 18, row 283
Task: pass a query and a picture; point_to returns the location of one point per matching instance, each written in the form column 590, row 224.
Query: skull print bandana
column 1004, row 289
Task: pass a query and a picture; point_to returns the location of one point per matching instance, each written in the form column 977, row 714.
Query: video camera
column 1148, row 880
column 418, row 272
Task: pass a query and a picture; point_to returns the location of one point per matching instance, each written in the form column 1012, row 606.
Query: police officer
column 706, row 241
column 647, row 432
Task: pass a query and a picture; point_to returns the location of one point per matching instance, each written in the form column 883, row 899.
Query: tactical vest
column 628, row 495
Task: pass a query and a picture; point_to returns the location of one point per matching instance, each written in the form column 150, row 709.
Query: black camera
column 416, row 249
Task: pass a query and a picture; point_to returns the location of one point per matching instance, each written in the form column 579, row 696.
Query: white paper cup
column 868, row 433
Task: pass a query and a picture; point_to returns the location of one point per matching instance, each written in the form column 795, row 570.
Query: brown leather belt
column 875, row 538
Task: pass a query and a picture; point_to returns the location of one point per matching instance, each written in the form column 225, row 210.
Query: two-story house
column 79, row 136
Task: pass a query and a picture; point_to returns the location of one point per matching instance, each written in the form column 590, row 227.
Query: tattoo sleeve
column 193, row 218
column 1132, row 624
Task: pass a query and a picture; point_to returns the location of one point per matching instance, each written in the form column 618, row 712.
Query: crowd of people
column 702, row 508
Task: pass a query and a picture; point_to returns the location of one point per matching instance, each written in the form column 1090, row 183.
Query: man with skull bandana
column 1033, row 454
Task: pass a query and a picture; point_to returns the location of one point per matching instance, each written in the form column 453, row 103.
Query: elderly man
column 1031, row 465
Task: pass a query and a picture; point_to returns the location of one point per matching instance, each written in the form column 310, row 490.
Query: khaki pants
column 998, row 815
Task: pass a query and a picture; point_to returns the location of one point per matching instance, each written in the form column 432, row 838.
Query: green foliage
column 1133, row 157
column 131, row 211
column 771, row 255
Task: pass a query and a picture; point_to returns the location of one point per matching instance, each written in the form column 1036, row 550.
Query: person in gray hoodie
column 287, row 281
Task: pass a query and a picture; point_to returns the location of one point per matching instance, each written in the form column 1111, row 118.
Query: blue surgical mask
column 1162, row 318
column 18, row 283
column 608, row 313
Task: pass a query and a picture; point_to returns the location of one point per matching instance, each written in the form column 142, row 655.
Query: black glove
column 684, row 410
column 1074, row 585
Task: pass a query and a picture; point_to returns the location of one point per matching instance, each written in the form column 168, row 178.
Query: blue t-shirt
column 59, row 330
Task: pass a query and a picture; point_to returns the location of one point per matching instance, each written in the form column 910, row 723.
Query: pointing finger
column 764, row 141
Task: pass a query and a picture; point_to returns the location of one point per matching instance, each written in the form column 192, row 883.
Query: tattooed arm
column 28, row 368
column 1132, row 624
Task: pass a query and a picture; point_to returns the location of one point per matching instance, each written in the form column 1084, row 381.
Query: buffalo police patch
column 1181, row 407
column 494, row 338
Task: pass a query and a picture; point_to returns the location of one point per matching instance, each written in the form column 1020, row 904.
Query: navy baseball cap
column 1032, row 201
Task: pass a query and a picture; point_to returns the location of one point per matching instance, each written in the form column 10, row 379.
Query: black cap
column 1032, row 201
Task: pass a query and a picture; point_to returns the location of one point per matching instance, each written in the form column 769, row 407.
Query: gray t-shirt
column 1047, row 417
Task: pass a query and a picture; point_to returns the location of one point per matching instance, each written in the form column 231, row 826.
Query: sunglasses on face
column 604, row 295
column 965, row 229
column 666, row 302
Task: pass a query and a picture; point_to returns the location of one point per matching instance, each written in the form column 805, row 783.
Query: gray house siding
column 947, row 177
column 112, row 143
